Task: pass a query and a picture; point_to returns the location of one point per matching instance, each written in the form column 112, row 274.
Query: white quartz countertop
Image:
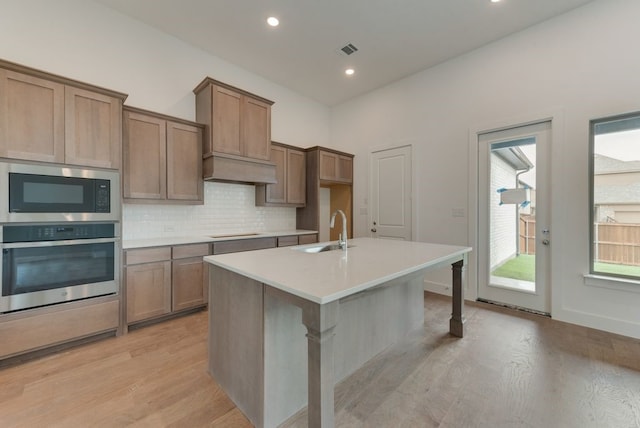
column 331, row 275
column 212, row 237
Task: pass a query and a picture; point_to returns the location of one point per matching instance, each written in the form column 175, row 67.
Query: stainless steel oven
column 44, row 264
column 57, row 193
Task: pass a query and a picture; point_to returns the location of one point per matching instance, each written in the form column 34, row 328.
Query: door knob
column 545, row 242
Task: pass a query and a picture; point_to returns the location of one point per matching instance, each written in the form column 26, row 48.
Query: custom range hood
column 237, row 145
column 237, row 169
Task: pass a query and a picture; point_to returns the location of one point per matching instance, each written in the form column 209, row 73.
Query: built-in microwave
column 52, row 193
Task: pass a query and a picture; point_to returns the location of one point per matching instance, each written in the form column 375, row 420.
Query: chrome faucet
column 342, row 238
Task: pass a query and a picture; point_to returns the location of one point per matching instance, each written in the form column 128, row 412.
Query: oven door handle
column 58, row 243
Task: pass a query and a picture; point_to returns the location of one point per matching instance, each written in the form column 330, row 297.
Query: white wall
column 86, row 41
column 503, row 219
column 581, row 65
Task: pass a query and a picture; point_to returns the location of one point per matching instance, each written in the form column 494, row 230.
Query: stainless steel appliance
column 51, row 193
column 43, row 264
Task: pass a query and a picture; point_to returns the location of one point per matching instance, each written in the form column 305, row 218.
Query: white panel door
column 391, row 193
column 514, row 215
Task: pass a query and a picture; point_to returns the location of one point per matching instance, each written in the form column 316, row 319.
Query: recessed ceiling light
column 349, row 71
column 273, row 21
column 495, row 1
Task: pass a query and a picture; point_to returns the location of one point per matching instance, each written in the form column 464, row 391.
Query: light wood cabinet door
column 144, row 157
column 148, row 290
column 287, row 241
column 256, row 129
column 328, row 166
column 296, row 177
column 290, row 189
column 184, row 162
column 226, row 114
column 345, row 169
column 277, row 193
column 162, row 158
column 308, row 239
column 93, row 129
column 237, row 144
column 189, row 283
column 335, row 167
column 31, row 118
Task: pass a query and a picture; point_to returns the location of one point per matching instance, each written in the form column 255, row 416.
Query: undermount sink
column 319, row 248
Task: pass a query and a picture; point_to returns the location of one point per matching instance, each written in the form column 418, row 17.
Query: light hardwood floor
column 512, row 369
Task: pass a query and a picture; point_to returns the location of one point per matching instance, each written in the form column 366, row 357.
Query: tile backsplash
column 228, row 208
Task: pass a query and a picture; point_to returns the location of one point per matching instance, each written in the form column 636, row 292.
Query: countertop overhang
column 332, row 275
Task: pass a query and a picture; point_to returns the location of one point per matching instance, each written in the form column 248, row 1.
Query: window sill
column 612, row 283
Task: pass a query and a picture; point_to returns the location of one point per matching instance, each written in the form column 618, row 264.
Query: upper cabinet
column 336, row 167
column 290, row 175
column 31, row 118
column 329, row 188
column 238, row 138
column 92, row 128
column 162, row 158
column 48, row 118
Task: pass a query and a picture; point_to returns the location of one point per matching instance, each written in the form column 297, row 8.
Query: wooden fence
column 527, row 234
column 617, row 243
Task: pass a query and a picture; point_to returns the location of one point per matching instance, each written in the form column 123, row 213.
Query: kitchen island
column 350, row 305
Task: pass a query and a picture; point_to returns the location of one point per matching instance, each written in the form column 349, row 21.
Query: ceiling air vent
column 347, row 49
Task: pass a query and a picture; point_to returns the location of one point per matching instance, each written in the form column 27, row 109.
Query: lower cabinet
column 163, row 280
column 308, row 239
column 189, row 277
column 40, row 328
column 160, row 281
column 287, row 241
column 148, row 290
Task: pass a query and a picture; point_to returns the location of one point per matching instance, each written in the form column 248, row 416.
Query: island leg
column 320, row 321
column 456, row 323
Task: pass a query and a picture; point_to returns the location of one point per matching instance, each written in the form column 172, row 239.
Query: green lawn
column 617, row 269
column 523, row 266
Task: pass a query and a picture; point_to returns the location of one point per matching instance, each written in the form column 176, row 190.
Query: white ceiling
column 394, row 38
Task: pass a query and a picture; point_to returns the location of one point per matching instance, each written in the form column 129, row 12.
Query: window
column 615, row 196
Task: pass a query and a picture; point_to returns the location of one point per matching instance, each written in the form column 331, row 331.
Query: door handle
column 374, row 230
column 545, row 242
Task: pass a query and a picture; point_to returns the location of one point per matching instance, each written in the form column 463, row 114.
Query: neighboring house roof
column 514, row 157
column 606, row 165
column 616, row 194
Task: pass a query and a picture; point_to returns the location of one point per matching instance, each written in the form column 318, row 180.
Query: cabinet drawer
column 147, row 255
column 308, row 239
column 286, row 241
column 76, row 321
column 194, row 250
column 243, row 245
